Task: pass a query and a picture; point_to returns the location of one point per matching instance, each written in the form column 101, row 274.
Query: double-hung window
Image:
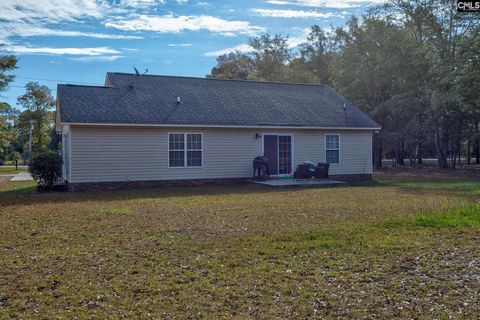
column 332, row 148
column 184, row 150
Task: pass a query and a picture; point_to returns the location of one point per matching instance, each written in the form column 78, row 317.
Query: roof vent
column 178, row 100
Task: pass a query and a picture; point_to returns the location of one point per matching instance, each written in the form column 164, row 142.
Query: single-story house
column 162, row 130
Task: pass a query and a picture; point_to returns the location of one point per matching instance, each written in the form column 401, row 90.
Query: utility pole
column 30, row 141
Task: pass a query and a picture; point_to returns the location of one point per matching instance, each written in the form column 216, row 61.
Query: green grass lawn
column 398, row 247
column 12, row 163
column 9, row 170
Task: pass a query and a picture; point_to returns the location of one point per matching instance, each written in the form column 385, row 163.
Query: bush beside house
column 46, row 169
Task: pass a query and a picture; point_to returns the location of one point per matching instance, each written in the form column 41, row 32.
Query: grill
column 260, row 168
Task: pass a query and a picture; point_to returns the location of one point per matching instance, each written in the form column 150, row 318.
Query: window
column 176, row 147
column 332, row 148
column 184, row 150
column 194, row 150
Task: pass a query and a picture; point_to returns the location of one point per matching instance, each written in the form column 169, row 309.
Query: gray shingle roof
column 153, row 100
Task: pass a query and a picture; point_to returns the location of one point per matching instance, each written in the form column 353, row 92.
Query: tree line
column 37, row 113
column 413, row 66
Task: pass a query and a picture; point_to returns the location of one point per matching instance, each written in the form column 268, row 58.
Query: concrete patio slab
column 298, row 183
column 22, row 176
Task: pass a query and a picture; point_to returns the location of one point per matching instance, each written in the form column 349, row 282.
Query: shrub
column 46, row 169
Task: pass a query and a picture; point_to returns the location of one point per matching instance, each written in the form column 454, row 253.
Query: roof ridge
column 217, row 79
column 85, row 86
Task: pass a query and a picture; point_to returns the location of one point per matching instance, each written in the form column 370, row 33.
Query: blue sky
column 78, row 41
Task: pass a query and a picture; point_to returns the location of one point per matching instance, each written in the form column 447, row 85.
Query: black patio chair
column 304, row 172
column 321, row 170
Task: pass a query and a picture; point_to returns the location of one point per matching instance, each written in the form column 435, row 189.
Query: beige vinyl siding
column 102, row 154
column 355, row 150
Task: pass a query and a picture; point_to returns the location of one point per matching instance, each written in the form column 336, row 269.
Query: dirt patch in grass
column 4, row 179
column 388, row 249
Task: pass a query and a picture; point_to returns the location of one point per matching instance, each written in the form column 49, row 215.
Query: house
column 164, row 130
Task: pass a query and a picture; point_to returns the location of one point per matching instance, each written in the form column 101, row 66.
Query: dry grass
column 374, row 250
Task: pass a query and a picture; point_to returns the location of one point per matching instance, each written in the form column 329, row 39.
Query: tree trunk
column 469, row 156
column 419, row 154
column 441, row 146
column 477, row 146
column 459, row 143
column 455, row 152
column 21, row 139
column 39, row 135
column 378, row 152
column 400, row 153
column 477, row 151
column 378, row 157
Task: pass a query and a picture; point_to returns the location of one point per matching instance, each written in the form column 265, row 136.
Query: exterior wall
column 109, row 154
column 355, row 150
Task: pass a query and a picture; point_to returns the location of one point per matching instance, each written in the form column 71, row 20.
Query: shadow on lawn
column 27, row 194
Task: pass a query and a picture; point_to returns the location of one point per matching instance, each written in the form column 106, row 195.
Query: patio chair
column 303, row 172
column 321, row 170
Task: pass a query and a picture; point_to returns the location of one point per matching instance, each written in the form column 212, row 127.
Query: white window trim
column 273, row 133
column 64, row 156
column 339, row 147
column 184, row 150
column 66, row 141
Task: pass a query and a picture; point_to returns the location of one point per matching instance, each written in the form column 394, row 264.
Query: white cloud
column 280, row 2
column 177, row 24
column 139, row 3
column 51, row 11
column 97, row 58
column 63, row 51
column 241, row 48
column 32, row 18
column 85, row 34
column 27, row 30
column 326, row 3
column 179, row 44
column 278, row 13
